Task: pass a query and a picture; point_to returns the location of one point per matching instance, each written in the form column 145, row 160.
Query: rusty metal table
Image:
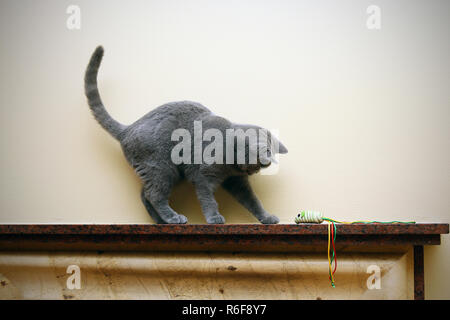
column 232, row 237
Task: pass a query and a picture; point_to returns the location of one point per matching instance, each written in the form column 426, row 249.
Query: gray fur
column 147, row 147
column 91, row 90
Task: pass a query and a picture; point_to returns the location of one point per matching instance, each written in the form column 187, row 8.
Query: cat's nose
column 265, row 165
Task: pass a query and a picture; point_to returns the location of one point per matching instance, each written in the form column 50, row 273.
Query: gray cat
column 148, row 145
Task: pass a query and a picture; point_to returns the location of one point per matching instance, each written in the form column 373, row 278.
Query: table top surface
column 224, row 229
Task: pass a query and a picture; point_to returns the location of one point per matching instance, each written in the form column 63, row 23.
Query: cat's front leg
column 240, row 189
column 205, row 194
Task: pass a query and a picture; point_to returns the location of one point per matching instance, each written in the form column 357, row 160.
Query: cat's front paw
column 216, row 219
column 178, row 219
column 270, row 219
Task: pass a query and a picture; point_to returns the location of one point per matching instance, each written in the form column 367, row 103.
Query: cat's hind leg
column 151, row 211
column 158, row 182
column 205, row 194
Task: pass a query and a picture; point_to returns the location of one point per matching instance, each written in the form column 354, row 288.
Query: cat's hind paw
column 271, row 219
column 178, row 219
column 216, row 219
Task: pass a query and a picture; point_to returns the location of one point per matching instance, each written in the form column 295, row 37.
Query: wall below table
column 118, row 275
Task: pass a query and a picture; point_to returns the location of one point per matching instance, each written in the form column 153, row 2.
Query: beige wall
column 365, row 114
column 44, row 275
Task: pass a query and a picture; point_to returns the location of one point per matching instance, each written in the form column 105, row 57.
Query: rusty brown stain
column 3, row 283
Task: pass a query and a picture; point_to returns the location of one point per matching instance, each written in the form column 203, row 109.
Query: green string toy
column 317, row 217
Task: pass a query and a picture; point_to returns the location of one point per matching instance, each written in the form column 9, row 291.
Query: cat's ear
column 281, row 148
column 278, row 146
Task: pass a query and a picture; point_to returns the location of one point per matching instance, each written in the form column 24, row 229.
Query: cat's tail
column 93, row 96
